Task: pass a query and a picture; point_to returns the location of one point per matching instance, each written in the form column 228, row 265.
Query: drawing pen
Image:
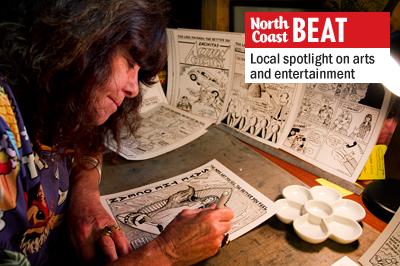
column 223, row 199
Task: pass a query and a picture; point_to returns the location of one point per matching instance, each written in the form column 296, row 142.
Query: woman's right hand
column 192, row 236
column 195, row 235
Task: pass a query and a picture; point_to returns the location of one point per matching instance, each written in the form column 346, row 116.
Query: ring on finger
column 108, row 230
column 225, row 240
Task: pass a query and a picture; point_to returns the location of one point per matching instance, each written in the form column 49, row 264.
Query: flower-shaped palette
column 320, row 213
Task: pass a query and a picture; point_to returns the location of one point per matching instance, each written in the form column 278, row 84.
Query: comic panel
column 203, row 72
column 305, row 139
column 204, row 91
column 262, row 111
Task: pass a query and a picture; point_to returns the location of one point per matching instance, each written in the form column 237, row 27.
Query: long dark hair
column 69, row 49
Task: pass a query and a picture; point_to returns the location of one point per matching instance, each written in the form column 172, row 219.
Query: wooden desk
column 271, row 243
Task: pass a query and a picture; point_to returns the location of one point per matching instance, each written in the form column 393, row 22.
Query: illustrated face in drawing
column 325, row 113
column 299, row 142
column 284, row 98
column 305, row 108
column 368, row 118
column 343, row 120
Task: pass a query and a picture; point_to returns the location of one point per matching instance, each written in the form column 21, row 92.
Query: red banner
column 317, row 29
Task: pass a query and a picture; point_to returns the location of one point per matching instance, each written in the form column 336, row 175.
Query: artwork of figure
column 365, row 127
column 292, row 134
column 261, row 126
column 342, row 90
column 305, row 108
column 280, row 106
column 251, row 122
column 184, row 104
column 273, row 132
column 202, row 95
column 215, row 101
column 325, row 115
column 299, row 143
column 243, row 117
column 342, row 122
column 255, row 90
column 233, row 116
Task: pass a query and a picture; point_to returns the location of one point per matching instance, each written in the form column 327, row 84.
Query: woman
column 69, row 77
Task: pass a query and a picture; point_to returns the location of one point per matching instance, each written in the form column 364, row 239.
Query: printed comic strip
column 337, row 126
column 260, row 110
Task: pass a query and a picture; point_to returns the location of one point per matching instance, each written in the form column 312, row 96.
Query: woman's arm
column 192, row 236
column 87, row 217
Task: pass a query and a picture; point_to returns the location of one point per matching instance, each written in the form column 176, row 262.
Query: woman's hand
column 86, row 220
column 195, row 235
column 192, row 236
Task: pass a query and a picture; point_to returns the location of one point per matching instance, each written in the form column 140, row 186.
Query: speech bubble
column 309, row 151
column 315, row 137
column 315, row 104
column 334, row 142
column 352, row 107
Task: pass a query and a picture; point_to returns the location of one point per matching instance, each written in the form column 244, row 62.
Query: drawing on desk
column 153, row 218
column 145, row 211
column 386, row 248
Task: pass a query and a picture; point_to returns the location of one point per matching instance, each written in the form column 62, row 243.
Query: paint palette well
column 320, row 213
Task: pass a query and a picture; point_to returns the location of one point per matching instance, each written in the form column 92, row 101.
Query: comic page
column 337, row 126
column 152, row 96
column 201, row 64
column 386, row 248
column 263, row 112
column 162, row 129
column 144, row 212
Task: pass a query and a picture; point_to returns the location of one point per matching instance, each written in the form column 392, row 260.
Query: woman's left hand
column 87, row 219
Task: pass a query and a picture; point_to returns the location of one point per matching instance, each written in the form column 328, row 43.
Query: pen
column 223, row 199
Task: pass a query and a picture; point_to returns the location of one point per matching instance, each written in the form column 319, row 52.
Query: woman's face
column 122, row 83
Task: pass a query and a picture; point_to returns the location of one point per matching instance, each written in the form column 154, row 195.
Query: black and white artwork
column 144, row 212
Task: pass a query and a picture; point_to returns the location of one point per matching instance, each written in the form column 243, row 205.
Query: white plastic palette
column 320, row 213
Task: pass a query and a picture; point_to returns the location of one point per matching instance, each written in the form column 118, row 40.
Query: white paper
column 345, row 261
column 202, row 69
column 163, row 128
column 152, row 96
column 337, row 127
column 264, row 112
column 386, row 248
column 144, row 212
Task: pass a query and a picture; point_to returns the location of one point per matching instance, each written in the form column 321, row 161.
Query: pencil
column 222, row 200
